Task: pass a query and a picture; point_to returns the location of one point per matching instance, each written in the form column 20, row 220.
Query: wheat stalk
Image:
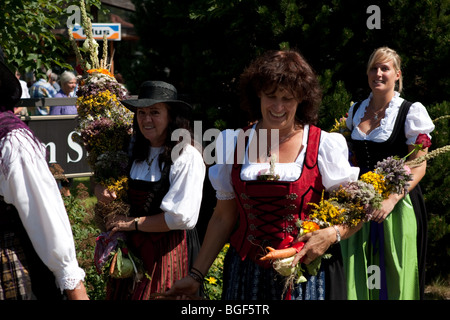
column 441, row 118
column 433, row 154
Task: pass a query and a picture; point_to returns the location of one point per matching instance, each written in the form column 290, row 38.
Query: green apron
column 362, row 260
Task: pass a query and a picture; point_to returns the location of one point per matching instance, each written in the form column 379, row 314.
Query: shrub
column 214, row 279
column 436, row 189
column 85, row 232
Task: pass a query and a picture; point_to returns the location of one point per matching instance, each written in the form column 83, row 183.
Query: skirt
column 173, row 255
column 381, row 260
column 23, row 275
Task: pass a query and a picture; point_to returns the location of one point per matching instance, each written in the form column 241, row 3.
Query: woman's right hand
column 103, row 194
column 184, row 289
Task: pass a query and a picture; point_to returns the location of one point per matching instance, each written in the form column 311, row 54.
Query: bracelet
column 136, row 220
column 198, row 271
column 338, row 234
column 196, row 277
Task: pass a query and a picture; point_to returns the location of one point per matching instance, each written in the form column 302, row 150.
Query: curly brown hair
column 281, row 68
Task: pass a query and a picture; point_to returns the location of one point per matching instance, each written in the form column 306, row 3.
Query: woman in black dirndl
column 165, row 193
column 395, row 241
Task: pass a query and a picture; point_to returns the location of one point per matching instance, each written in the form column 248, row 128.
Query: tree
column 203, row 46
column 27, row 33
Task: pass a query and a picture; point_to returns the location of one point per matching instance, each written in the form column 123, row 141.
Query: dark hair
column 281, row 68
column 141, row 145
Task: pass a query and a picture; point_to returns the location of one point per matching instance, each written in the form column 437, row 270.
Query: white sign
column 112, row 31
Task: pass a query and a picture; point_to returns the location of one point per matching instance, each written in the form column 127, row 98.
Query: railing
column 33, row 103
column 42, row 102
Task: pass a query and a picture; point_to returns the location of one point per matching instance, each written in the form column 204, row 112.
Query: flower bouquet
column 105, row 128
column 340, row 126
column 350, row 204
column 104, row 124
column 347, row 205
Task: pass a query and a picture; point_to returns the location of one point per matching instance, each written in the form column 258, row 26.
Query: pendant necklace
column 151, row 161
column 375, row 114
column 269, row 148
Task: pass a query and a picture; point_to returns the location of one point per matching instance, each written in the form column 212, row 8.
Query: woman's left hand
column 379, row 215
column 119, row 223
column 316, row 243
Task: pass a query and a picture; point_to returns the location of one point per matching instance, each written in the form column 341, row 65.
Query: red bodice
column 268, row 210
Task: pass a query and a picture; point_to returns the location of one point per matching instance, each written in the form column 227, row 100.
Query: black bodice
column 368, row 153
column 145, row 196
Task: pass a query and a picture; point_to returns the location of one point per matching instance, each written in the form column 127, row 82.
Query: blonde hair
column 385, row 54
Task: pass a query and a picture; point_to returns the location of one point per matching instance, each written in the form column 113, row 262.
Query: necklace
column 375, row 114
column 269, row 147
column 151, row 161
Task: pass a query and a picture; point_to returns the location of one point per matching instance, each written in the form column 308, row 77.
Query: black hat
column 10, row 88
column 153, row 92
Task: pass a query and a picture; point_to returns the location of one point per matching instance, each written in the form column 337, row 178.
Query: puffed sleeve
column 220, row 173
column 349, row 120
column 417, row 122
column 333, row 161
column 32, row 189
column 182, row 202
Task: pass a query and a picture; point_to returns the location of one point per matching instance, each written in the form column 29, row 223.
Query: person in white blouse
column 282, row 94
column 386, row 125
column 165, row 192
column 36, row 242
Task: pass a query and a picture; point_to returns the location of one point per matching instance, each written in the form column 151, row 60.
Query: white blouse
column 417, row 121
column 332, row 161
column 28, row 184
column 182, row 202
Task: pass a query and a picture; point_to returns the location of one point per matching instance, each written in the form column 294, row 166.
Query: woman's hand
column 316, row 244
column 184, row 289
column 103, row 194
column 119, row 223
column 379, row 215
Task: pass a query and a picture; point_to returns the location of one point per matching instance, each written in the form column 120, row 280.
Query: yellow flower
column 341, row 127
column 378, row 182
column 327, row 212
column 212, row 280
column 118, row 186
